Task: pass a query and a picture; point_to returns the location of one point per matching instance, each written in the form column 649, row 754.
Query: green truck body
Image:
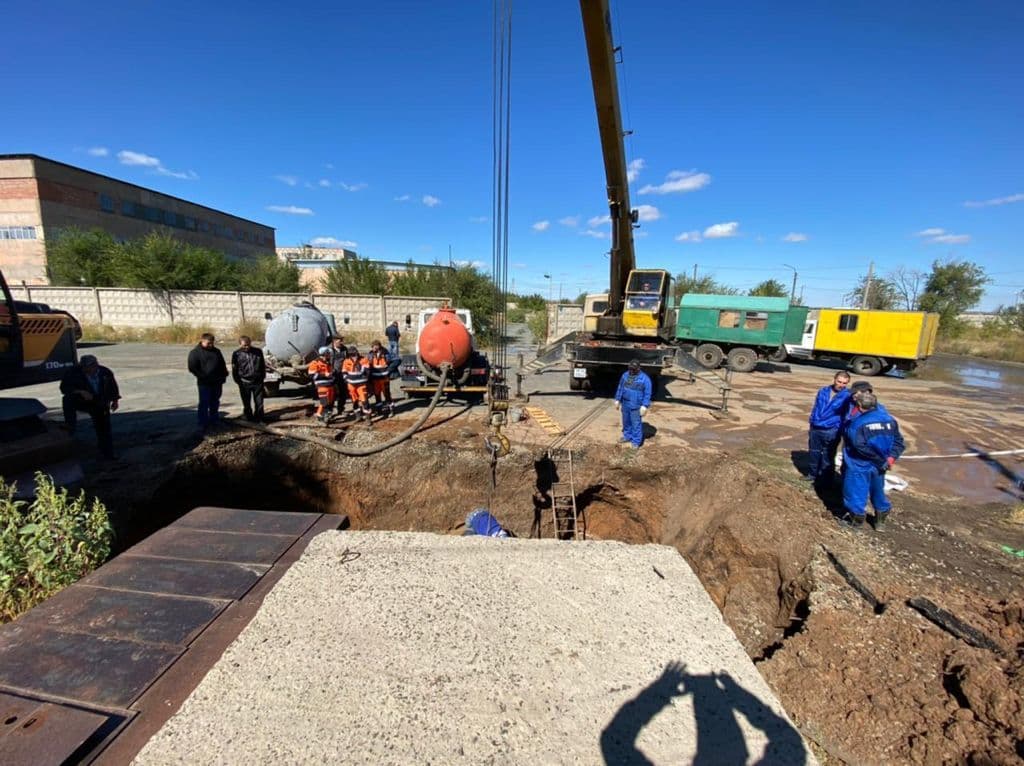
column 736, row 325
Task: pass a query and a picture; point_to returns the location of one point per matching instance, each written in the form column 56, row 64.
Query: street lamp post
column 792, row 290
column 547, row 309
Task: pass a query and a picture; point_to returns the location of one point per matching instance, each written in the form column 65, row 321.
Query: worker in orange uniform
column 356, row 369
column 321, row 373
column 380, row 378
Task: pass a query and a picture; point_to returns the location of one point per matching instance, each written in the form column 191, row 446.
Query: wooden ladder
column 564, row 513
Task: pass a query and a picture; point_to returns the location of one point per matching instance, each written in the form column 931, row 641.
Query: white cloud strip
column 430, row 200
column 795, row 236
column 679, row 181
column 689, row 236
column 938, row 236
column 333, row 242
column 541, row 226
column 289, row 210
column 98, row 151
column 722, row 230
column 634, row 168
column 138, row 159
column 996, row 201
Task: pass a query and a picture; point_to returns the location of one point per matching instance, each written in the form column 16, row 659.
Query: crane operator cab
column 646, row 310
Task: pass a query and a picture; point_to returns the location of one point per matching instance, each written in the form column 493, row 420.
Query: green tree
column 907, row 283
column 581, row 298
column 1012, row 317
column 269, row 274
column 705, row 285
column 471, row 289
column 882, row 295
column 770, row 288
column 82, row 258
column 158, row 261
column 534, row 302
column 952, row 288
column 357, row 276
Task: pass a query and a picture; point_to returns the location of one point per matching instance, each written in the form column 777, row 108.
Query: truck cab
column 646, row 311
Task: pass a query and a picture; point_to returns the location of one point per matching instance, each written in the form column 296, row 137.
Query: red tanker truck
column 445, row 335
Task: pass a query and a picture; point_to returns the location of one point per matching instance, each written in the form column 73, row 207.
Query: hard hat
column 634, row 364
column 324, row 350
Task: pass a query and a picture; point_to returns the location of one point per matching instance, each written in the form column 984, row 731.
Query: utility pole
column 695, row 272
column 792, row 290
column 867, row 286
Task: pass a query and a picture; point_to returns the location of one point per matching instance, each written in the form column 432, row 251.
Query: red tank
column 445, row 339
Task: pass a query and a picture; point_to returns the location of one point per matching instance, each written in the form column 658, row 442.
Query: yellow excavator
column 34, row 348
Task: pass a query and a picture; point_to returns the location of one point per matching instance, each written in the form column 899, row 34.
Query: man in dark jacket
column 872, row 442
column 827, row 418
column 92, row 388
column 207, row 364
column 249, row 370
column 393, row 334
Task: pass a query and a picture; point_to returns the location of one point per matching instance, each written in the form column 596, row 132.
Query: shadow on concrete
column 649, row 431
column 716, row 700
column 94, row 343
column 773, row 367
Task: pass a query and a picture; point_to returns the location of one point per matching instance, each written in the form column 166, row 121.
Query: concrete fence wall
column 564, row 318
column 127, row 307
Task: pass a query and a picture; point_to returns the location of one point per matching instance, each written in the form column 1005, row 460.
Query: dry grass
column 186, row 334
column 976, row 341
column 1017, row 515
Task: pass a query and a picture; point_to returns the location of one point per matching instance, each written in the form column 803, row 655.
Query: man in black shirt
column 92, row 388
column 249, row 371
column 206, row 363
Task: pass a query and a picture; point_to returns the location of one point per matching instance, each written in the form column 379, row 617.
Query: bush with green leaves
column 47, row 544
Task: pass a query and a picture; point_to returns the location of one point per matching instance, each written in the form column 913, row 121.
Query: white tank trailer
column 292, row 340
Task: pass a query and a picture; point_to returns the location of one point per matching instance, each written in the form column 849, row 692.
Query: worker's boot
column 853, row 521
column 880, row 519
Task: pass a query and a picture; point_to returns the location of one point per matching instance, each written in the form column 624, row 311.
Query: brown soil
column 864, row 687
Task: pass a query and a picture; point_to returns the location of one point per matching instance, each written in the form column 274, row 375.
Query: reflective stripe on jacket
column 320, row 373
column 871, row 438
column 355, row 370
column 379, row 365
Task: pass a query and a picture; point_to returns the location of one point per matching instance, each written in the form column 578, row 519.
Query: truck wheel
column 866, row 365
column 575, row 384
column 742, row 360
column 272, row 389
column 779, row 355
column 708, row 355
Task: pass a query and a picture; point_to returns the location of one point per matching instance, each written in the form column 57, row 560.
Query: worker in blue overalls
column 826, row 421
column 633, row 397
column 871, row 444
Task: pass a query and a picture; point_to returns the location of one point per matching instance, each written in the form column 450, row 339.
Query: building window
column 106, row 203
column 847, row 322
column 17, row 232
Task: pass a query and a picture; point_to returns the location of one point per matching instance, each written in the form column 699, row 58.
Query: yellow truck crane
column 637, row 321
column 34, row 348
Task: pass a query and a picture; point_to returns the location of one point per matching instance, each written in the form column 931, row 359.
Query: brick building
column 40, row 197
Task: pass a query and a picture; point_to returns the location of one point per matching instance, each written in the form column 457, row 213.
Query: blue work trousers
column 393, row 349
column 862, row 484
column 209, row 404
column 632, row 425
column 822, row 444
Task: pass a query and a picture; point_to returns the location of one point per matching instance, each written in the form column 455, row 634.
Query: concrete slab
column 389, row 647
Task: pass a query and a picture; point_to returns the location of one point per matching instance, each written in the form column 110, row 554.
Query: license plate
column 271, row 377
column 579, row 372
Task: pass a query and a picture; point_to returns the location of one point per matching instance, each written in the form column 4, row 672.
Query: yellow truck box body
column 887, row 334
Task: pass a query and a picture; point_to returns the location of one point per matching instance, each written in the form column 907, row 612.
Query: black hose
column 361, row 451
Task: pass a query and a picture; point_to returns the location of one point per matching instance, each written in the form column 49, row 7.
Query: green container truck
column 739, row 329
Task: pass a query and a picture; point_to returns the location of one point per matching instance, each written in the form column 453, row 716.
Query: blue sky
column 820, row 136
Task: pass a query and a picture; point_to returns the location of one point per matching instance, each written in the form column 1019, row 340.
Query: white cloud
column 722, row 230
column 689, row 236
column 430, row 200
column 935, row 235
column 996, row 201
column 287, row 180
column 289, row 209
column 188, row 175
column 596, row 234
column 126, row 157
column 329, row 165
column 352, row 187
column 138, row 159
column 402, row 198
column 541, row 226
column 479, row 219
column 634, row 168
column 795, row 236
column 679, row 181
column 324, row 183
column 518, row 265
column 572, row 221
column 98, row 151
column 648, row 213
column 952, row 239
column 599, row 220
column 333, row 242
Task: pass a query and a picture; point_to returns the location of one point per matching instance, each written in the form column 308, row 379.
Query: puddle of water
column 1007, row 379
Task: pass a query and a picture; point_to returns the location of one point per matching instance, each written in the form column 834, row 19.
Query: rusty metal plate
column 147, row 618
column 204, row 579
column 184, row 543
column 38, row 733
column 237, row 520
column 90, row 669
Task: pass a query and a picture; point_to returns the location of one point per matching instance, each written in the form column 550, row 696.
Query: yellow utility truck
column 873, row 342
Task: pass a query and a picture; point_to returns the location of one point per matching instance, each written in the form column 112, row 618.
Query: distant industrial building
column 313, row 263
column 39, row 198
